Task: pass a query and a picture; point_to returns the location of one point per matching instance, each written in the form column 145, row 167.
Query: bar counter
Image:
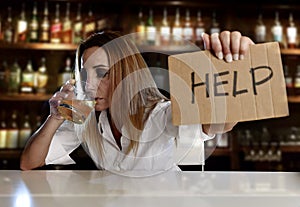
column 173, row 189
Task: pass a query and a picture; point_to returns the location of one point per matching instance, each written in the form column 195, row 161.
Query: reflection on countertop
column 172, row 188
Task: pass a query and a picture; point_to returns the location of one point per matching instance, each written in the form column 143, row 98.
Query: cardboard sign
column 205, row 89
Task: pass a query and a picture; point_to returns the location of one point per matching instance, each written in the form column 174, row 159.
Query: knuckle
column 236, row 33
column 225, row 34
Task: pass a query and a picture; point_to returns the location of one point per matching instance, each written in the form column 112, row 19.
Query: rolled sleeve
column 63, row 143
column 190, row 147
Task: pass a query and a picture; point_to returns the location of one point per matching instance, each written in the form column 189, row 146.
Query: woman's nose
column 91, row 87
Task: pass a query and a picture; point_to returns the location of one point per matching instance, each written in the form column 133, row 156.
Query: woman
column 134, row 131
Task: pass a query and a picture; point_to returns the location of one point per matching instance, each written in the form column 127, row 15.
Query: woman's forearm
column 37, row 147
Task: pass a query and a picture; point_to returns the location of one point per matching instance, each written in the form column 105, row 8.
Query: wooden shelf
column 25, row 97
column 143, row 48
column 290, row 51
column 294, row 99
column 10, row 153
column 169, row 49
column 221, row 152
column 38, row 46
column 293, row 149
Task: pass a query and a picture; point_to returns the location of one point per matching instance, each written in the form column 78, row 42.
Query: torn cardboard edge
column 207, row 90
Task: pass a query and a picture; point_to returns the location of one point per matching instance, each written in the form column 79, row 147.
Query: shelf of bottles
column 177, row 32
column 263, row 145
column 39, row 46
column 16, row 127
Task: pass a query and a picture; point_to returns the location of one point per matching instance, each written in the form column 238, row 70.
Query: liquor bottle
column 158, row 75
column 8, row 27
column 24, row 131
column 177, row 29
column 27, row 80
column 291, row 32
column 38, row 122
column 78, row 27
column 199, row 30
column 288, row 81
column 56, row 27
column 3, row 130
column 14, row 78
column 188, row 31
column 66, row 73
column 215, row 27
column 21, row 27
column 150, row 29
column 89, row 24
column 45, row 26
column 165, row 30
column 265, row 137
column 297, row 81
column 4, row 75
column 140, row 29
column 260, row 30
column 42, row 77
column 1, row 29
column 101, row 24
column 277, row 30
column 12, row 131
column 67, row 26
column 34, row 25
column 223, row 140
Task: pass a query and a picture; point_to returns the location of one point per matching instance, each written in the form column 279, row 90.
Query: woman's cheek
column 102, row 105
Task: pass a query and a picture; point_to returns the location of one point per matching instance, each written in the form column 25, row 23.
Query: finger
column 71, row 81
column 244, row 46
column 57, row 98
column 235, row 39
column 225, row 41
column 59, row 95
column 67, row 87
column 216, row 45
column 206, row 41
column 54, row 103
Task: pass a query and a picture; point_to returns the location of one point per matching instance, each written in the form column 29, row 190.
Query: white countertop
column 104, row 189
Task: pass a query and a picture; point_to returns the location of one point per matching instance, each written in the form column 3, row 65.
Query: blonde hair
column 134, row 93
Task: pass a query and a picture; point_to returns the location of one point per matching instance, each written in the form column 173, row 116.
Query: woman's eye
column 101, row 73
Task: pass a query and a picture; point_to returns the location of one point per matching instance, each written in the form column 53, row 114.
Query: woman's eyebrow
column 100, row 66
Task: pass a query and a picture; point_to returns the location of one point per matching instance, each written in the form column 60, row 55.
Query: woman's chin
column 100, row 107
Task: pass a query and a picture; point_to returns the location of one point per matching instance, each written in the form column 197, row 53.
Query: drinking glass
column 77, row 106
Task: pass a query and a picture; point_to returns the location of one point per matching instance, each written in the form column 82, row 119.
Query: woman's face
column 95, row 62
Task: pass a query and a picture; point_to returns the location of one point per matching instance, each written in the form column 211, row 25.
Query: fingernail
column 235, row 56
column 242, row 57
column 228, row 58
column 220, row 55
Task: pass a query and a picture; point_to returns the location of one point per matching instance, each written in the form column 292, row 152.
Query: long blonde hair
column 134, row 93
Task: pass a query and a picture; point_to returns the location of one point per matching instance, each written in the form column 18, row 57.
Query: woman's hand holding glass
column 71, row 103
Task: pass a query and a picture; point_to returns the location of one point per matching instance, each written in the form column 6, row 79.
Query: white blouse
column 162, row 145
